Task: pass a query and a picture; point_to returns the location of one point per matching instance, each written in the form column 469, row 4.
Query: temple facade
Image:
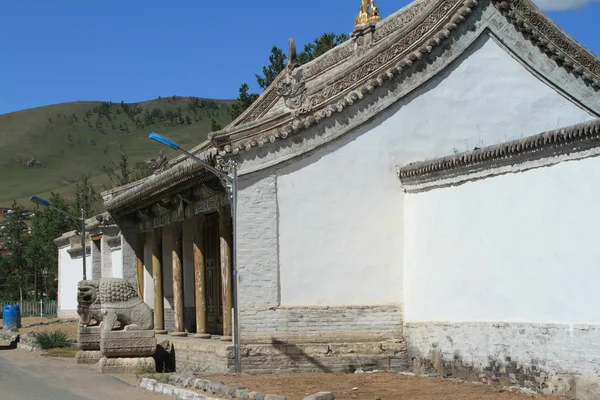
column 419, row 197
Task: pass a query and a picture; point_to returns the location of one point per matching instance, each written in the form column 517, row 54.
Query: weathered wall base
column 321, row 324
column 324, row 357
column 215, row 356
column 549, row 358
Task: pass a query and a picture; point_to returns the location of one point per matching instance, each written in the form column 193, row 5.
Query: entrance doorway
column 212, row 259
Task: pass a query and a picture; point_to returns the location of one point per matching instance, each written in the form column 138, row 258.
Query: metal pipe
column 236, row 319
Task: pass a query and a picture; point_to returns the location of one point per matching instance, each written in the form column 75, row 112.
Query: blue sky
column 133, row 50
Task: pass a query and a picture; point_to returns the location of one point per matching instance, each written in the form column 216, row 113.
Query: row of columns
column 199, row 267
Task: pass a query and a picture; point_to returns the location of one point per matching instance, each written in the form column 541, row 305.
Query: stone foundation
column 88, row 337
column 548, row 358
column 217, row 357
column 324, row 357
column 132, row 343
column 88, row 357
column 133, row 365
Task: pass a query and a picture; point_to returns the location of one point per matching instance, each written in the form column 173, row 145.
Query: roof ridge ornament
column 368, row 13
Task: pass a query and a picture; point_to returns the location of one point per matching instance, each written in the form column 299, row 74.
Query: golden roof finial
column 368, row 13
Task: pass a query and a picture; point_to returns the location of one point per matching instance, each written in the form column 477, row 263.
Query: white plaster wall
column 518, row 247
column 341, row 208
column 148, row 279
column 117, row 263
column 70, row 272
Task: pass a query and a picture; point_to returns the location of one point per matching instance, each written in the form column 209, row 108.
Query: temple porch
column 184, row 263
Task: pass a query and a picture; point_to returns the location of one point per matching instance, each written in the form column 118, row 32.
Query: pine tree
column 16, row 270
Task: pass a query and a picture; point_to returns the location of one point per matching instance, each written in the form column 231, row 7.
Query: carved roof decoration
column 575, row 138
column 544, row 33
column 304, row 96
column 335, row 57
column 409, row 36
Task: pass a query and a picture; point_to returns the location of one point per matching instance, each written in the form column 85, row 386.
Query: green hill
column 48, row 148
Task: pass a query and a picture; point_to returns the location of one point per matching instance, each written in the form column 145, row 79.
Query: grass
column 66, row 352
column 72, row 139
column 161, row 378
column 52, row 339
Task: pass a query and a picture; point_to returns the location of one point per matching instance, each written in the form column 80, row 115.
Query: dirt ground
column 69, row 327
column 376, row 386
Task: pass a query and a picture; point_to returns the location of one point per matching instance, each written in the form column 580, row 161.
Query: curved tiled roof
column 304, row 96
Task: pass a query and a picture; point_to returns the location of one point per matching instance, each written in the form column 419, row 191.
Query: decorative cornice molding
column 422, row 33
column 361, row 80
column 545, row 34
column 576, row 138
column 425, row 26
column 397, row 22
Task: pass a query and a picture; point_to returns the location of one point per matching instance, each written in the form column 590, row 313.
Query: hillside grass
column 72, row 139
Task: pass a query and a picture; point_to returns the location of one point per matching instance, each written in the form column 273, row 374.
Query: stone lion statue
column 112, row 303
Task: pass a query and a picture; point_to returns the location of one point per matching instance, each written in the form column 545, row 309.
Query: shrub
column 52, row 340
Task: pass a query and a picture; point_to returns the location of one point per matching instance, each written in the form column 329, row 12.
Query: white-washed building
column 104, row 259
column 421, row 196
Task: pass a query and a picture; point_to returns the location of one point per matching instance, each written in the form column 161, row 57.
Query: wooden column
column 225, row 234
column 178, row 281
column 200, row 278
column 157, row 277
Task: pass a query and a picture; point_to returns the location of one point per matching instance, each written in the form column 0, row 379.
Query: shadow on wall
column 296, row 354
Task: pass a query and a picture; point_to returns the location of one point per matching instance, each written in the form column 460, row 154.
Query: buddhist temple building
column 418, row 198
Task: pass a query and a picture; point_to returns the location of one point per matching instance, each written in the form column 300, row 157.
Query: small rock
column 256, row 396
column 217, row 388
column 274, row 397
column 354, row 388
column 320, row 396
column 359, row 371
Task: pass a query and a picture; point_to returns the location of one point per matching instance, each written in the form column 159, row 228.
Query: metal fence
column 32, row 308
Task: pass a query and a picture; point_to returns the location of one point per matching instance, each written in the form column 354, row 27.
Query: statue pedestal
column 132, row 343
column 133, row 365
column 88, row 337
column 88, row 357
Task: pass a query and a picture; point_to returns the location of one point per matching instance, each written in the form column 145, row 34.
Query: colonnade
column 211, row 243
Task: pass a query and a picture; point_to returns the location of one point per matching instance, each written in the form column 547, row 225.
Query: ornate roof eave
column 260, row 107
column 181, row 172
column 361, row 77
column 337, row 94
column 419, row 28
column 203, row 150
column 320, row 66
column 557, row 44
column 567, row 140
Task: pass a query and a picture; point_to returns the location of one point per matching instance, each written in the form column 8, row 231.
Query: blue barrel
column 11, row 317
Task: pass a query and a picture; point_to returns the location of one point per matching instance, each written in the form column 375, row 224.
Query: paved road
column 26, row 376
